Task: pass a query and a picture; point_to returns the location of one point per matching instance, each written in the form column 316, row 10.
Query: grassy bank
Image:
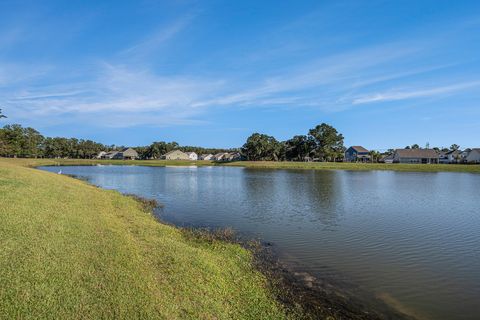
column 358, row 166
column 72, row 251
column 261, row 164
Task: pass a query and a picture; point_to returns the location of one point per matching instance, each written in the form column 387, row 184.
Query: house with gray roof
column 109, row 155
column 425, row 156
column 473, row 156
column 357, row 154
column 126, row 154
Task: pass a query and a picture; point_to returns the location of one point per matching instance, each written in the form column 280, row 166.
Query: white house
column 219, row 156
column 101, row 155
column 453, row 156
column 192, row 156
column 208, row 156
column 473, row 156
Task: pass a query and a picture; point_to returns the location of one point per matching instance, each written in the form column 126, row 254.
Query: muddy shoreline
column 303, row 295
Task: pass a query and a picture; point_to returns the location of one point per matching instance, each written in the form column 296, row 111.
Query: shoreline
column 303, row 295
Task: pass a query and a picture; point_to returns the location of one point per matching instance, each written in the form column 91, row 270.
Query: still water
column 412, row 239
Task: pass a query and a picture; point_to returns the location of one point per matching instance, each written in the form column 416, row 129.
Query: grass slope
column 69, row 250
column 261, row 164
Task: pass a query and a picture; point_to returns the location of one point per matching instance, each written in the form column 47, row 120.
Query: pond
column 412, row 239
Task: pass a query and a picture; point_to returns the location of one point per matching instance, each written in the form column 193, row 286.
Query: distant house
column 109, row 155
column 126, row 154
column 192, row 156
column 473, row 156
column 442, row 157
column 463, row 155
column 207, row 156
column 387, row 159
column 232, row 156
column 453, row 156
column 220, row 156
column 357, row 154
column 415, row 156
column 175, row 155
column 101, row 155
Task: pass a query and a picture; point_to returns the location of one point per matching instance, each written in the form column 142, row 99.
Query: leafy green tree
column 32, row 143
column 13, row 139
column 157, row 149
column 415, row 146
column 261, row 147
column 374, row 155
column 299, row 147
column 328, row 142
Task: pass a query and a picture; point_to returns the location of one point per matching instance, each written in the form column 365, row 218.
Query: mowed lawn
column 69, row 250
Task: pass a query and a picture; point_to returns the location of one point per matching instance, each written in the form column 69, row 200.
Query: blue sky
column 384, row 73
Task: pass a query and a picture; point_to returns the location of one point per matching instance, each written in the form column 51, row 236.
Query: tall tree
column 157, row 149
column 299, row 147
column 374, row 155
column 329, row 143
column 262, row 147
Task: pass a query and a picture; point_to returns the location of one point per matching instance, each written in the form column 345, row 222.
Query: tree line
column 21, row 142
column 323, row 143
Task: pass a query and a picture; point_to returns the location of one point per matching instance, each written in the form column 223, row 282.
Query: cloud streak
column 411, row 94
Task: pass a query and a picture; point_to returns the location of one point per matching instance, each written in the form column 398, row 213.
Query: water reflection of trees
column 323, row 191
column 294, row 196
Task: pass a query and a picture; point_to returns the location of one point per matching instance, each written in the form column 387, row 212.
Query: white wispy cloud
column 410, row 94
column 158, row 38
column 115, row 96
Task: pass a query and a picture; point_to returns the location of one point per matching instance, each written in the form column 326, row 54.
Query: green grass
column 69, row 250
column 358, row 166
column 262, row 164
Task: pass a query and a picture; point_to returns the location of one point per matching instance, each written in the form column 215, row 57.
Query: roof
column 359, row 148
column 173, row 151
column 416, row 153
column 454, row 152
column 190, row 153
